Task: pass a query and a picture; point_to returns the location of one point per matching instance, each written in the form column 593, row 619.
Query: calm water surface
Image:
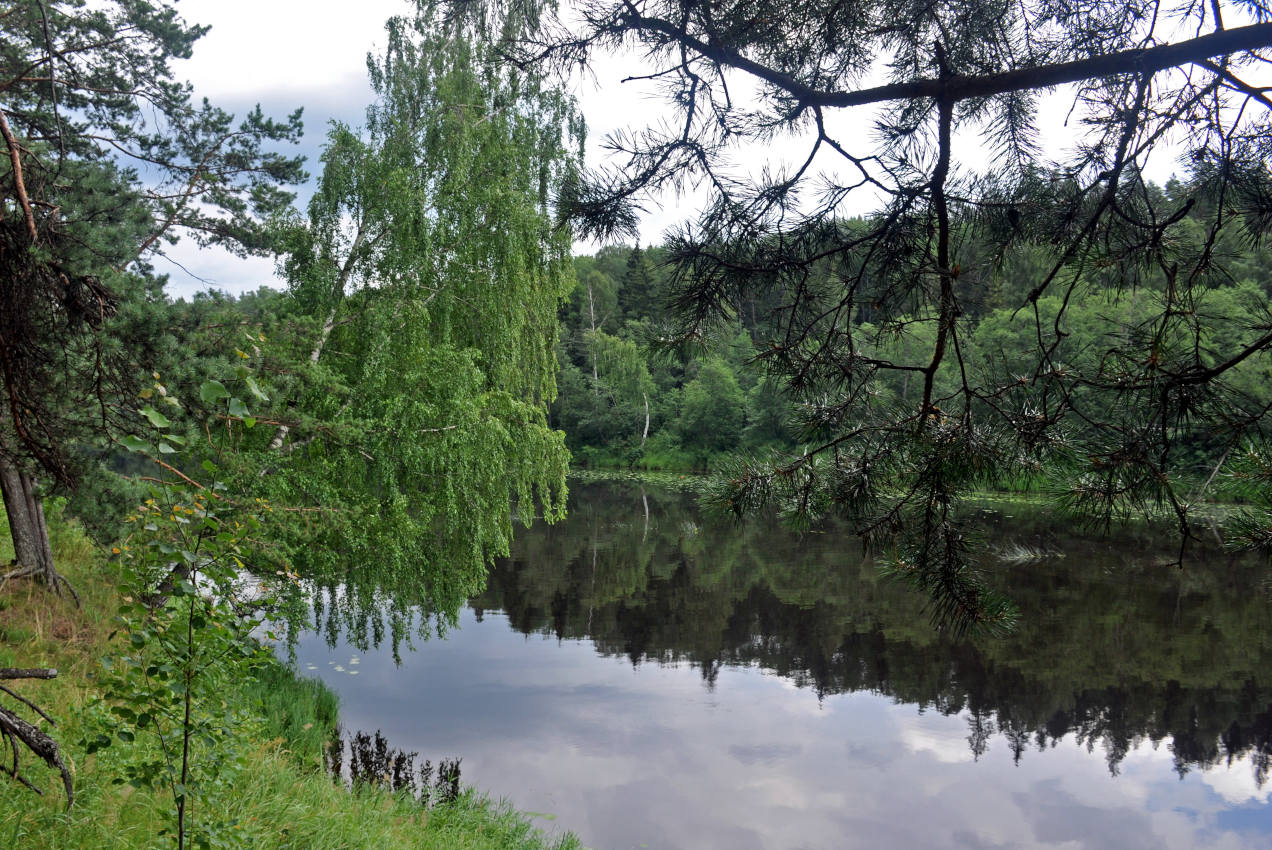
column 649, row 679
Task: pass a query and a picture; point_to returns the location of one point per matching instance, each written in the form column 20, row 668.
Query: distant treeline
column 626, row 398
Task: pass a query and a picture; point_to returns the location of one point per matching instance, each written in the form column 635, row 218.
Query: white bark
column 346, row 271
column 645, row 434
column 591, row 310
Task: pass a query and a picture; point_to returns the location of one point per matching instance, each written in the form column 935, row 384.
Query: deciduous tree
column 433, row 268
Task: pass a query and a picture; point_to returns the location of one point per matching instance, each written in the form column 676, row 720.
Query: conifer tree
column 638, row 297
column 107, row 160
column 932, row 80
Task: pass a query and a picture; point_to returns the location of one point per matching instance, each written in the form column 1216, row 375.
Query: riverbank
column 275, row 794
column 697, row 481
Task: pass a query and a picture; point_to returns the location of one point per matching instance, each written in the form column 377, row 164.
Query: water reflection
column 654, row 679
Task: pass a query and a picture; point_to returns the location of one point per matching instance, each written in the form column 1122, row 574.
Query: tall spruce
column 1139, row 80
column 638, row 297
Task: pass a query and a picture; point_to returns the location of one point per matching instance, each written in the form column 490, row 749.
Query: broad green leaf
column 238, row 408
column 166, row 448
column 255, row 388
column 213, row 391
column 135, row 444
column 156, row 418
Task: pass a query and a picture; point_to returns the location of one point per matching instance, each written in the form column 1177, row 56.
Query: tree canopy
column 402, row 385
column 428, row 274
column 1139, row 79
column 108, row 160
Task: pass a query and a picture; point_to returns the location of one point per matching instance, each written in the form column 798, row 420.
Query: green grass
column 277, row 797
column 300, row 712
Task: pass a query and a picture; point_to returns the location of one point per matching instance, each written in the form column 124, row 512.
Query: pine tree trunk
column 32, row 553
column 21, row 526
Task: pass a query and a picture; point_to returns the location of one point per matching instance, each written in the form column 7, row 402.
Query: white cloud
column 1235, row 783
column 287, row 53
column 282, row 45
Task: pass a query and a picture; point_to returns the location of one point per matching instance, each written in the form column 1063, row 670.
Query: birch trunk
column 346, row 271
column 591, row 310
column 645, row 434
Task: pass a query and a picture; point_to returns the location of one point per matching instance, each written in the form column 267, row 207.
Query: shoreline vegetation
column 276, row 792
column 1216, row 506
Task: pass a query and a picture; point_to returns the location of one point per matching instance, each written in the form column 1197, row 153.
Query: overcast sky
column 288, row 53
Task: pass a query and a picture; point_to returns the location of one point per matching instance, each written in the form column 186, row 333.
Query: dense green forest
column 372, row 433
column 628, row 398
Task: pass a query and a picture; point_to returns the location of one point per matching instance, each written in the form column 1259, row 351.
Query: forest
column 193, row 485
column 625, row 400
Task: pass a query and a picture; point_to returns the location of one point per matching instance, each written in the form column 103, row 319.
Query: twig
column 28, row 704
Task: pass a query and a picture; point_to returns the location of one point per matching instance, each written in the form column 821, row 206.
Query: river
column 649, row 678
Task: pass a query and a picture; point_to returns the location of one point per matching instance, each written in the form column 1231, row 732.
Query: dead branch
column 15, row 730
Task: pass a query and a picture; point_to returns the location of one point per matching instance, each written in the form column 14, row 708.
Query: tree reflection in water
column 1111, row 647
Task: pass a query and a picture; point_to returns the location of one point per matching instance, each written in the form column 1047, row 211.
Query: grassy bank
column 276, row 794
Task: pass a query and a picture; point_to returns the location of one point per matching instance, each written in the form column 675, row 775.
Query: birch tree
column 432, row 267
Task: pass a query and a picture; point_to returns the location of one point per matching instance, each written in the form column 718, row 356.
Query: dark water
column 646, row 678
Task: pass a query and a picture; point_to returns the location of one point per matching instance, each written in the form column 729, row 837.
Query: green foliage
column 188, row 613
column 301, row 712
column 622, row 393
column 712, row 409
column 769, row 414
column 870, row 321
column 415, row 362
column 639, row 296
column 112, row 160
column 1250, row 476
column 1085, row 427
column 279, row 798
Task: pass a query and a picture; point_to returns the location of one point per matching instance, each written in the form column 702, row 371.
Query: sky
column 288, row 53
column 281, row 54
